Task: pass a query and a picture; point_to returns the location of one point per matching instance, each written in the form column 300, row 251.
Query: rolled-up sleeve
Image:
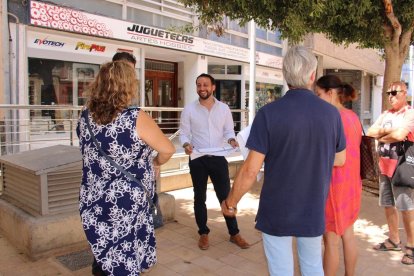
column 228, row 124
column 185, row 127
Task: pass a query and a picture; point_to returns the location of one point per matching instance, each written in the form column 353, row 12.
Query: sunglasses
column 393, row 92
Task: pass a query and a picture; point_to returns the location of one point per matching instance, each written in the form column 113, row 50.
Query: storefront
column 59, row 54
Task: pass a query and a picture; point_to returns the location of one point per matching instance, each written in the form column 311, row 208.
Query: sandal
column 408, row 259
column 383, row 247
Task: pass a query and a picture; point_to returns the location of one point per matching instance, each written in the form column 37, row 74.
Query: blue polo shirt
column 299, row 136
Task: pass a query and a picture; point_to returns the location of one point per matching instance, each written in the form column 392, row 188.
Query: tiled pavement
column 178, row 253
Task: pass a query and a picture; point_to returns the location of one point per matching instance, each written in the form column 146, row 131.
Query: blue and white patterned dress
column 114, row 210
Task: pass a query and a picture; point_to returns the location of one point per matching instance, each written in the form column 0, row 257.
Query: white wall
column 194, row 65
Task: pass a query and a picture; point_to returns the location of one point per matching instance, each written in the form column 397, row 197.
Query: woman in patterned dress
column 344, row 197
column 115, row 211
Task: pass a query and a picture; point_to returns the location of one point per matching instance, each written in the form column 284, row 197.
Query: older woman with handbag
column 117, row 143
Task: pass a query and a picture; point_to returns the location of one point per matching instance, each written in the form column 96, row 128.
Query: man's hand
column 228, row 211
column 188, row 148
column 233, row 143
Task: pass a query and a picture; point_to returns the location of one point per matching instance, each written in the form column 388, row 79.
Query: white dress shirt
column 206, row 129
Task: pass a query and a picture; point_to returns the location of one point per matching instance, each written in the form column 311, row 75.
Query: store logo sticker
column 48, row 42
column 90, row 47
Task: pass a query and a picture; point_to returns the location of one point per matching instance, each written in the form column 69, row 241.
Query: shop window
column 216, row 69
column 265, row 93
column 235, row 26
column 56, row 82
column 234, row 69
column 143, row 17
column 274, row 37
column 239, row 41
column 261, row 33
column 268, row 49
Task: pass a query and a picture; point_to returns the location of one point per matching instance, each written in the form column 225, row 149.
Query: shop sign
column 67, row 44
column 47, row 42
column 65, row 19
column 90, row 47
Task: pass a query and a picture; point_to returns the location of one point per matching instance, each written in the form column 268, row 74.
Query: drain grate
column 76, row 260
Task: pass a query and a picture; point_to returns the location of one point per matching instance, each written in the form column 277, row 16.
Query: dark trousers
column 217, row 168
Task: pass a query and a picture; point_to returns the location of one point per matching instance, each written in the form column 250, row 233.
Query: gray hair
column 298, row 65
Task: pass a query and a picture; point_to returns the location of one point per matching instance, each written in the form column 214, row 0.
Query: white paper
column 219, row 151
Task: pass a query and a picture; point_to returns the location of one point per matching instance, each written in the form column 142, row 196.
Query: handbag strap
column 113, row 163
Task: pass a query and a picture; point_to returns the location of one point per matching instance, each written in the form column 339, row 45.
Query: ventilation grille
column 63, row 190
column 23, row 188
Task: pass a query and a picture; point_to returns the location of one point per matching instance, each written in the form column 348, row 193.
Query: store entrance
column 161, row 91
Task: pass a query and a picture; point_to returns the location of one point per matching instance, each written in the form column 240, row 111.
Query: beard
column 206, row 96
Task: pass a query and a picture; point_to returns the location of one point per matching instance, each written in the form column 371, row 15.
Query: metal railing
column 28, row 127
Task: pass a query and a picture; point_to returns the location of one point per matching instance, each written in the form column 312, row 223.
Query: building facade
column 56, row 49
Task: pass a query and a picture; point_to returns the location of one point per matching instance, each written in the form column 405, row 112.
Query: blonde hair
column 113, row 90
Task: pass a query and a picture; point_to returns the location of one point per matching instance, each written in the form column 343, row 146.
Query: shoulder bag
column 404, row 172
column 154, row 204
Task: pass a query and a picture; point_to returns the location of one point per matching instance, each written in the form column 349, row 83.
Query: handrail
column 27, row 127
column 79, row 107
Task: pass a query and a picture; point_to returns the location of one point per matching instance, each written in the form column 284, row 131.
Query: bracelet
column 230, row 208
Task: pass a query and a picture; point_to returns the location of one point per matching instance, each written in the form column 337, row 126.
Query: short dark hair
column 124, row 56
column 207, row 76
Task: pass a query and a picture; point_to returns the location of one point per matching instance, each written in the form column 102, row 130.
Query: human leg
column 219, row 174
column 408, row 219
column 386, row 200
column 279, row 255
column 310, row 255
column 199, row 176
column 404, row 202
column 331, row 253
column 350, row 251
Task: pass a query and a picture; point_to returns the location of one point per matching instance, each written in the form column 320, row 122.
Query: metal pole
column 252, row 71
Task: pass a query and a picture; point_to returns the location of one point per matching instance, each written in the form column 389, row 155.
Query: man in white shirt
column 205, row 124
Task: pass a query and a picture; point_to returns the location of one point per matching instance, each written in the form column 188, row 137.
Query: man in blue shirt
column 299, row 138
column 207, row 124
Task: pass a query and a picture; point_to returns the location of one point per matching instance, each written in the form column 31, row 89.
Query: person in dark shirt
column 299, row 138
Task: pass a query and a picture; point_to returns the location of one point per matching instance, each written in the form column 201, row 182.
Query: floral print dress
column 114, row 210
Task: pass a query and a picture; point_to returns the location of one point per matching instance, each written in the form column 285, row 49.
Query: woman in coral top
column 344, row 198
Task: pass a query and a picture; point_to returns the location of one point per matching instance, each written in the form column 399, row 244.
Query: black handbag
column 154, row 204
column 404, row 172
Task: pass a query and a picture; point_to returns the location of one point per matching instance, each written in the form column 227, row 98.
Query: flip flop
column 382, row 246
column 408, row 259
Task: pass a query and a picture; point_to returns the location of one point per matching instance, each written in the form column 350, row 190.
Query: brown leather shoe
column 239, row 241
column 203, row 242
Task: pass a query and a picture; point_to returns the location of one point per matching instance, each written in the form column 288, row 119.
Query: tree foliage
column 381, row 24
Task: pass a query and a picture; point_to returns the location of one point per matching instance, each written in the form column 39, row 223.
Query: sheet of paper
column 219, row 151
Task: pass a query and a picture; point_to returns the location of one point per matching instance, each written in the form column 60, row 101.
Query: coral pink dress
column 344, row 197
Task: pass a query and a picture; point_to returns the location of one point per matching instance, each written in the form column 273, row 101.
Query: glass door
column 161, row 91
